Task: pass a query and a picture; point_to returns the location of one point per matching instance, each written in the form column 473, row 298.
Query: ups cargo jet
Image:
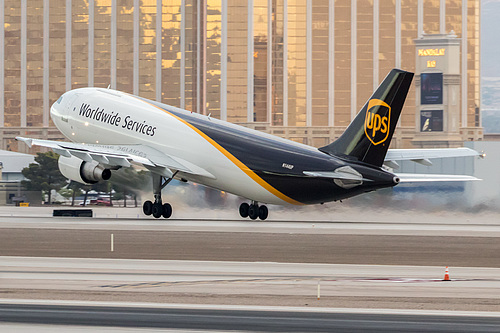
column 112, row 129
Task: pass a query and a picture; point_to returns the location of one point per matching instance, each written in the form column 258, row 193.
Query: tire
column 166, row 210
column 147, row 208
column 244, row 210
column 157, row 210
column 263, row 212
column 253, row 211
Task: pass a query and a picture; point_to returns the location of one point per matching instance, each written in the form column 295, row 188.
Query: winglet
column 27, row 141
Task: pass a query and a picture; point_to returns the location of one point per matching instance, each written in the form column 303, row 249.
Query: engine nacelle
column 83, row 172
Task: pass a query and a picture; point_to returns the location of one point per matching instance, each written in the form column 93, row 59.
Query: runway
column 238, row 319
column 383, row 243
column 391, row 264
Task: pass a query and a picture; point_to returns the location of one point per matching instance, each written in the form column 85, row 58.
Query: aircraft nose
column 59, row 108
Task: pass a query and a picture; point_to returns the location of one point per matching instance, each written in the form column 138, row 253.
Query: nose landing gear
column 253, row 211
column 158, row 208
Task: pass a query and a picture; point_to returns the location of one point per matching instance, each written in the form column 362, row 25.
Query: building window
column 431, row 88
column 431, row 121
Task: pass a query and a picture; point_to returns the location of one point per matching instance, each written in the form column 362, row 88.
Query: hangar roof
column 14, row 162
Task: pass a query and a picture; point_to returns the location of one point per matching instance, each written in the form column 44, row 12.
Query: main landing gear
column 254, row 211
column 158, row 208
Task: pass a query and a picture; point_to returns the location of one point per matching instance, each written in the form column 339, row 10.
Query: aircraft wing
column 422, row 156
column 115, row 156
column 420, row 177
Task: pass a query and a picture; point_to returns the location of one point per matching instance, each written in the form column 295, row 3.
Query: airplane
column 110, row 129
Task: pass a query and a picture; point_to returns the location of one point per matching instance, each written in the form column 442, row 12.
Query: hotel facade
column 299, row 69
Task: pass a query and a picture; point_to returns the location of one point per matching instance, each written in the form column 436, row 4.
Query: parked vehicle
column 97, row 202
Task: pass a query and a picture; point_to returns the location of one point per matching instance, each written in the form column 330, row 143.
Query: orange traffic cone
column 447, row 274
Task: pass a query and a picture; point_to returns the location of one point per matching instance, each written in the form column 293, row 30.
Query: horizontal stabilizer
column 423, row 156
column 331, row 174
column 417, row 154
column 420, row 177
column 344, row 173
column 345, row 177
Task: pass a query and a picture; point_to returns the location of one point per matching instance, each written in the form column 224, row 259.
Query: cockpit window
column 59, row 100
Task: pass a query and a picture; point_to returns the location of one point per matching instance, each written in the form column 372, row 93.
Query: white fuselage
column 108, row 117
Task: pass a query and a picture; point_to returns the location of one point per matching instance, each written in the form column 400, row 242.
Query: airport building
column 299, row 69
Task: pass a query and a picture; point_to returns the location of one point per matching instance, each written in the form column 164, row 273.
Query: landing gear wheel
column 263, row 212
column 157, row 210
column 253, row 211
column 167, row 210
column 244, row 207
column 147, row 207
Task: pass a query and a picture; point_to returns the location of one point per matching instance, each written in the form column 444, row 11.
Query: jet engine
column 83, row 172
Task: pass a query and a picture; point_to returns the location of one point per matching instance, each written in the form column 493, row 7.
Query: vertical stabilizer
column 368, row 136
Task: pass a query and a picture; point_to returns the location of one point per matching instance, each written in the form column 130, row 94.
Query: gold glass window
column 409, row 32
column 297, row 62
column 125, row 46
column 12, row 65
column 79, row 44
column 277, row 67
column 260, row 61
column 34, row 64
column 320, row 26
column 102, row 43
column 171, row 52
column 342, row 63
column 213, row 57
column 57, row 52
column 237, row 61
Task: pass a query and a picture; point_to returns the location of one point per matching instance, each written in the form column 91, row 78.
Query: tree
column 129, row 181
column 76, row 189
column 44, row 175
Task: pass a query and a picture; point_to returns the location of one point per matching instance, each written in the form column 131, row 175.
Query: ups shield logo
column 377, row 121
